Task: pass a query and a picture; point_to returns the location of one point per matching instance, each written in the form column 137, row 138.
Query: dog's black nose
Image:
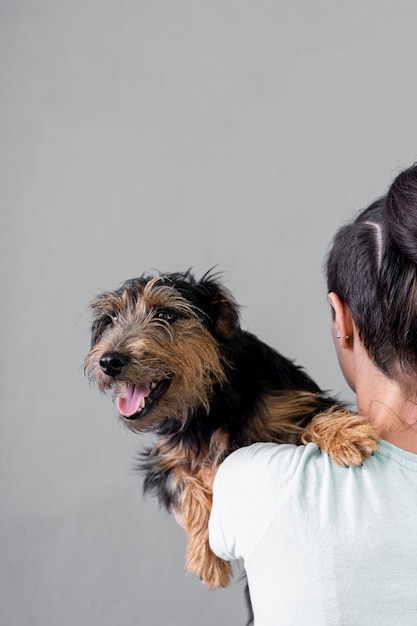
column 112, row 363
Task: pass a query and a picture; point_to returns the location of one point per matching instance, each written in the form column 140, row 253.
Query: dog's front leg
column 347, row 437
column 195, row 507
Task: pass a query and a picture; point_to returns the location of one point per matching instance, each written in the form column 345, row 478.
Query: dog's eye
column 166, row 314
column 109, row 320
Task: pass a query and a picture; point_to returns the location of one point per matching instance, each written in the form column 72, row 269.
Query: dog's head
column 158, row 345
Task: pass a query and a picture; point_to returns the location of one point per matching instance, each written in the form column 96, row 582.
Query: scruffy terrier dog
column 172, row 352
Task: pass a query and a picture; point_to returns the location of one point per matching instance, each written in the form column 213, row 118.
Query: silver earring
column 338, row 336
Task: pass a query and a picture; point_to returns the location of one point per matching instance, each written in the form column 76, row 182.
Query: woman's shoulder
column 254, row 473
column 273, row 459
column 263, row 469
column 249, row 486
column 267, row 475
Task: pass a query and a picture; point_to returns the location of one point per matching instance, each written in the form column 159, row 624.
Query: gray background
column 166, row 134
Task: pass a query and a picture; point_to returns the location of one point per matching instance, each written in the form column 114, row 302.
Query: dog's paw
column 212, row 571
column 346, row 437
column 217, row 575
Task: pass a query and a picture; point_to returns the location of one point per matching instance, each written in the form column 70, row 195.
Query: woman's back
column 321, row 544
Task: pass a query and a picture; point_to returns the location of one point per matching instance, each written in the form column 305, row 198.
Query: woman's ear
column 342, row 323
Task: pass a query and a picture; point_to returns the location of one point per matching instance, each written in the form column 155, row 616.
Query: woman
column 323, row 544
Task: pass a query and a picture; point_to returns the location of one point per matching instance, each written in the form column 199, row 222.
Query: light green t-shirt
column 322, row 545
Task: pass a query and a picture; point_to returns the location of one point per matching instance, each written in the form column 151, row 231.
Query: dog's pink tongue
column 130, row 403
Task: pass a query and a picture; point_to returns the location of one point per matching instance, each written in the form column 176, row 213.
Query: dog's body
column 171, row 350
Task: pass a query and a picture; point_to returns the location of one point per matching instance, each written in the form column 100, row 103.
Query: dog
column 171, row 350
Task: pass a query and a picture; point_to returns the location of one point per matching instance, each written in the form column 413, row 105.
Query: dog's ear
column 226, row 315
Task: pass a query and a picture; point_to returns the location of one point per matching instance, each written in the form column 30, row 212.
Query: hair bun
column 401, row 212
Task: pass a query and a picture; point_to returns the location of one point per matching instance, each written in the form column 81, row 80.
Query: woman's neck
column 387, row 406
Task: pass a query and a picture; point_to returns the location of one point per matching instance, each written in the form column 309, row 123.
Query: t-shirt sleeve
column 245, row 497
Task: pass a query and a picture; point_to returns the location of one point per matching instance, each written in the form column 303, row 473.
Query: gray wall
column 166, row 134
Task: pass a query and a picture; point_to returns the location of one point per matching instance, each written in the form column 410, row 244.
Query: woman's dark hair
column 372, row 266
